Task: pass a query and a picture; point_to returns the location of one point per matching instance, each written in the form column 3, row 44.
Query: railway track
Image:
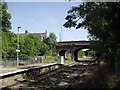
column 66, row 77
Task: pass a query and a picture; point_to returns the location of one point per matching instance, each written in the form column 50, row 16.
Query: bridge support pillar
column 68, row 55
column 60, row 60
column 76, row 55
column 71, row 55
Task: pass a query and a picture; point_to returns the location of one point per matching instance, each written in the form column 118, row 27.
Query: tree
column 31, row 45
column 12, row 45
column 5, row 29
column 52, row 37
column 51, row 40
column 102, row 22
column 6, row 24
column 81, row 54
column 43, row 49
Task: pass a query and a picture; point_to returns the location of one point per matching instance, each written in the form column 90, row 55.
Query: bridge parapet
column 73, row 43
column 72, row 48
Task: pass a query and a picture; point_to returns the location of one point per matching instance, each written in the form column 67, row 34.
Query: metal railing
column 13, row 61
column 27, row 60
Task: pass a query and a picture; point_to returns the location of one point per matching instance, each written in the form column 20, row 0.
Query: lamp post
column 17, row 50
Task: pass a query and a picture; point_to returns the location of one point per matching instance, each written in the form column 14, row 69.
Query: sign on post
column 17, row 50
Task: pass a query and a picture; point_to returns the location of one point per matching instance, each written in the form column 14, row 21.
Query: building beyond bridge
column 72, row 48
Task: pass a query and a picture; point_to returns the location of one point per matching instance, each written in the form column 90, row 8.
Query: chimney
column 26, row 31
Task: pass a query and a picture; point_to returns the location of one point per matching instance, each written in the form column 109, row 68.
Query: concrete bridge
column 72, row 48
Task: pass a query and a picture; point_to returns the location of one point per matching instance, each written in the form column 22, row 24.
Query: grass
column 48, row 59
column 68, row 62
column 53, row 59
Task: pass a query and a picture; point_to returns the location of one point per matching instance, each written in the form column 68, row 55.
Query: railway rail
column 65, row 77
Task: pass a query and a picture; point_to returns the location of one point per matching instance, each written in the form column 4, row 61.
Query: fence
column 13, row 61
column 27, row 60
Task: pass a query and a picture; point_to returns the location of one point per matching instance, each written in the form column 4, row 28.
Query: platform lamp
column 17, row 50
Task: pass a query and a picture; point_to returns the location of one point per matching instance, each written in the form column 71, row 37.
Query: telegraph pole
column 60, row 34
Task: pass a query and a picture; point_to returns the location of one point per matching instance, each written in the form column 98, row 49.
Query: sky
column 37, row 17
